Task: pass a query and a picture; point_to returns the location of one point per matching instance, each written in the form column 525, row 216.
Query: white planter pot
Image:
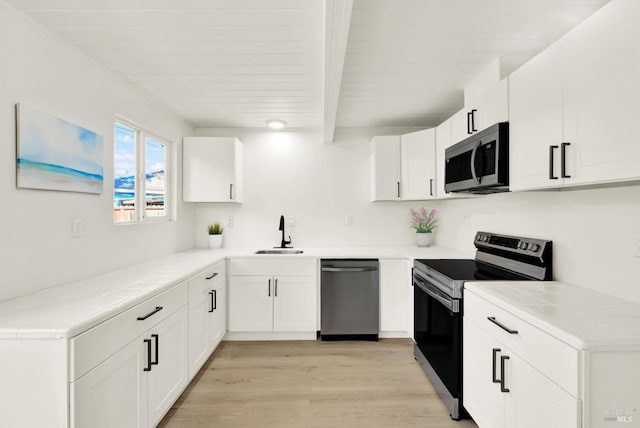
column 215, row 241
column 424, row 239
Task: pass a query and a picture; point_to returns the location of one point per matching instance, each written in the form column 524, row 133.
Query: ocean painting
column 53, row 154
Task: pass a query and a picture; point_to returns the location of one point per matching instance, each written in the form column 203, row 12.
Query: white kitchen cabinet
column 212, row 169
column 207, row 315
column 443, row 140
column 394, row 277
column 403, row 167
column 573, row 108
column 460, row 125
column 273, row 295
column 385, row 168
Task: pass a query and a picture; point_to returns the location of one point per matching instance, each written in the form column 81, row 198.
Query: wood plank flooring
column 311, row 384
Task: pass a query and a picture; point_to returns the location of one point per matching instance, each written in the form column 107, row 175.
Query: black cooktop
column 469, row 270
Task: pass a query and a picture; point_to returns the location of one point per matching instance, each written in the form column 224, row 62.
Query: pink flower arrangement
column 423, row 221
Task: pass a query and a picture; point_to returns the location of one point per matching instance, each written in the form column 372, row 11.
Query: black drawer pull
column 153, row 312
column 155, row 336
column 214, row 300
column 502, row 326
column 563, row 160
column 148, row 342
column 494, row 378
column 551, row 150
column 212, row 276
column 502, row 360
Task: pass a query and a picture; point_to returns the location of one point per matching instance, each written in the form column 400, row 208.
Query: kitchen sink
column 280, row 251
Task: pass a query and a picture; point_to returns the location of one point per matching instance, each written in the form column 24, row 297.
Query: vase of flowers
column 424, row 222
column 215, row 235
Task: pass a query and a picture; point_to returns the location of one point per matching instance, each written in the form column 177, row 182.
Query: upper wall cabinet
column 403, row 167
column 490, row 108
column 574, row 108
column 212, row 169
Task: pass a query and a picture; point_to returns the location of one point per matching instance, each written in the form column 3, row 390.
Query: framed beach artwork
column 53, row 154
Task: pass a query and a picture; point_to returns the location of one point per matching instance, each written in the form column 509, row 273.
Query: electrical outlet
column 77, row 227
column 291, row 220
column 348, row 220
column 229, row 222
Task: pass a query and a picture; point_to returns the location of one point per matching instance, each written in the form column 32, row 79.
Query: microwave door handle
column 474, row 152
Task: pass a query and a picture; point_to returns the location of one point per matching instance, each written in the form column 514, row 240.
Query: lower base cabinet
column 136, row 386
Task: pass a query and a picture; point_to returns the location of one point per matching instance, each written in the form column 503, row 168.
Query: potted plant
column 215, row 235
column 424, row 222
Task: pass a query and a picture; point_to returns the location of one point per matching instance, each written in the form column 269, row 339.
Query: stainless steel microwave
column 480, row 163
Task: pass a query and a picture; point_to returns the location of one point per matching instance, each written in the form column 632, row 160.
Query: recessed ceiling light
column 276, row 123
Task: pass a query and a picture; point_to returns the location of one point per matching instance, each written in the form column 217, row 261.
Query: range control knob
column 534, row 247
column 524, row 245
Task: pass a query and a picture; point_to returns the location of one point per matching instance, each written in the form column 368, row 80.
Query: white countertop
column 69, row 309
column 583, row 318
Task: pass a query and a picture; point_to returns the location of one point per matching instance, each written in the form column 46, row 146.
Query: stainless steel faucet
column 283, row 243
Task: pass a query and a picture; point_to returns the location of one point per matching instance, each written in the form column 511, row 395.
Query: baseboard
column 271, row 335
column 393, row 334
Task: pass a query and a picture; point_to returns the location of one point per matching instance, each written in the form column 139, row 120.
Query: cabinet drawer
column 552, row 357
column 92, row 347
column 202, row 282
column 273, row 266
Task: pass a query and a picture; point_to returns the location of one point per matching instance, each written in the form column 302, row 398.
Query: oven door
column 438, row 334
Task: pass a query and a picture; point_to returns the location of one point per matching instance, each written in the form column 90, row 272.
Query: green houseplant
column 424, row 222
column 215, row 235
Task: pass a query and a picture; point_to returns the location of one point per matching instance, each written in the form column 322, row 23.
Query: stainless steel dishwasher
column 349, row 299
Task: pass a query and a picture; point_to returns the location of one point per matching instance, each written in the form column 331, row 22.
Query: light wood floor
column 311, row 384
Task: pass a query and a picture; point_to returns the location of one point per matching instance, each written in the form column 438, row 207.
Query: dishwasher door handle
column 348, row 269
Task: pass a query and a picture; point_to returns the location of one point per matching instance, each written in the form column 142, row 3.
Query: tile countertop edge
column 553, row 325
column 18, row 322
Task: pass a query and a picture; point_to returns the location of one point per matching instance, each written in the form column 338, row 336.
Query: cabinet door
column 217, row 317
column 169, row 373
column 295, row 303
column 198, row 332
column 535, row 121
column 443, row 140
column 493, row 106
column 460, row 127
column 251, row 303
column 601, row 88
column 481, row 396
column 209, row 169
column 385, row 168
column 417, row 155
column 114, row 394
column 534, row 401
column 394, row 278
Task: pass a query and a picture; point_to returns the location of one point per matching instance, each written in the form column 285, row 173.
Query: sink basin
column 280, row 251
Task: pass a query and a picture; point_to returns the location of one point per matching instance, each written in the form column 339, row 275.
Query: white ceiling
column 237, row 63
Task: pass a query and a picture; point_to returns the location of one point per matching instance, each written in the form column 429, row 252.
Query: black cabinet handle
column 551, row 155
column 398, row 189
column 231, row 191
column 494, row 378
column 214, row 300
column 431, row 186
column 503, row 358
column 473, row 120
column 275, row 292
column 502, row 326
column 469, row 123
column 563, row 160
column 155, row 336
column 212, row 276
column 269, row 293
column 148, row 342
column 153, row 312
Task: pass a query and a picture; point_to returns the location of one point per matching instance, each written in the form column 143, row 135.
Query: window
column 141, row 171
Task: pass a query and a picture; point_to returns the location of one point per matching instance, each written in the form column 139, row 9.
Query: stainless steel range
column 438, row 302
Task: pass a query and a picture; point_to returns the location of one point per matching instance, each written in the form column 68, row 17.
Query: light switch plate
column 229, row 222
column 348, row 220
column 77, row 227
column 291, row 220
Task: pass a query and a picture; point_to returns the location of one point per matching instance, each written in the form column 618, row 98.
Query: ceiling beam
column 336, row 33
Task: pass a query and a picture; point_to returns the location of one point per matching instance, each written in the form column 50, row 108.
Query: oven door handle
column 450, row 304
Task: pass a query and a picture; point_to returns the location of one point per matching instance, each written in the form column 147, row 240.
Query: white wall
column 295, row 174
column 594, row 231
column 36, row 247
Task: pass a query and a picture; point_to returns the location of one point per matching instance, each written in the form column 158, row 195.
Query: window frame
column 140, row 204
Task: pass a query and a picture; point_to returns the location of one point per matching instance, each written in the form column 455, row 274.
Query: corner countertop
column 67, row 310
column 580, row 317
